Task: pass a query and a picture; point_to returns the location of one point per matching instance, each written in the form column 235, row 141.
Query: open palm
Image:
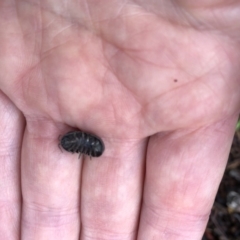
column 158, row 82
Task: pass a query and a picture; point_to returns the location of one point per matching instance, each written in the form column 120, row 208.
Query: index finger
column 184, row 170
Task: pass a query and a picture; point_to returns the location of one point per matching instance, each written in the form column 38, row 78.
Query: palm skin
column 158, row 82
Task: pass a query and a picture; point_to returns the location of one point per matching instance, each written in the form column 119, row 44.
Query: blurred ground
column 224, row 222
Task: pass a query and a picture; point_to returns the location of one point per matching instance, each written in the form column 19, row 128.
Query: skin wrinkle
column 124, row 85
column 49, row 128
column 106, row 234
column 65, row 17
column 34, row 73
column 186, row 175
column 45, row 83
column 190, row 20
column 48, row 52
column 31, row 34
column 154, row 217
column 167, row 93
column 129, row 56
column 114, row 19
column 128, row 89
column 52, row 222
column 121, row 15
column 114, row 111
column 49, row 25
column 126, row 236
column 144, row 105
column 32, row 58
column 198, row 190
column 213, row 24
column 89, row 12
column 63, row 30
column 146, row 61
column 170, row 19
column 194, row 23
column 121, row 8
column 45, row 209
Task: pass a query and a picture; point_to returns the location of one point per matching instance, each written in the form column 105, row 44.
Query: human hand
column 157, row 81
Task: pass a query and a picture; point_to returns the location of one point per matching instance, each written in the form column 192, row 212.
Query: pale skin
column 158, row 81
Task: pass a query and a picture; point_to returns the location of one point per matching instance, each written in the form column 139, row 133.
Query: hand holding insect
column 157, row 81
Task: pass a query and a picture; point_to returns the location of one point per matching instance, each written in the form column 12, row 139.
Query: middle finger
column 112, row 191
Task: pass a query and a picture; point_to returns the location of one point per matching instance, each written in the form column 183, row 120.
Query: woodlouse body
column 82, row 143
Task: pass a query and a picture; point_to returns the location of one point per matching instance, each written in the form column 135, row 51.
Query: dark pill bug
column 82, row 143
